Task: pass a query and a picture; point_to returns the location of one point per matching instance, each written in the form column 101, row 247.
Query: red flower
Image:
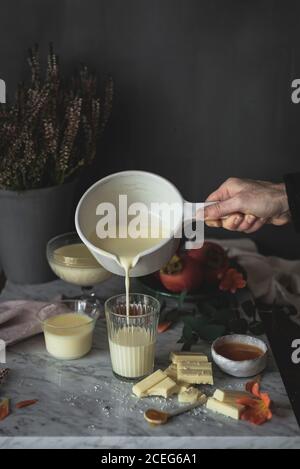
column 4, row 408
column 163, row 326
column 232, row 280
column 257, row 409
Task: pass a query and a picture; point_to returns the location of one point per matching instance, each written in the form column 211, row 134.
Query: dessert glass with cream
column 132, row 334
column 68, row 327
column 71, row 261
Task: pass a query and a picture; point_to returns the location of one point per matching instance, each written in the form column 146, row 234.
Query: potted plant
column 47, row 136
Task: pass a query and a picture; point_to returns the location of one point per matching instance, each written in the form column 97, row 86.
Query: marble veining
column 81, row 404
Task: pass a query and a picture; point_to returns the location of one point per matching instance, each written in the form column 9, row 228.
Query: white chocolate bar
column 177, row 357
column 140, row 389
column 164, row 388
column 228, row 410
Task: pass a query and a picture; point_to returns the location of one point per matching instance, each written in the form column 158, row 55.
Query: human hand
column 246, row 205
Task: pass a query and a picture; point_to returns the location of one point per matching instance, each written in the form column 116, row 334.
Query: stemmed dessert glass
column 72, row 262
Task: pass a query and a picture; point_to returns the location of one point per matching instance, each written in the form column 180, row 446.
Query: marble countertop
column 81, row 404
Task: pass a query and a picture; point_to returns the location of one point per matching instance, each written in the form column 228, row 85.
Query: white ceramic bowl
column 245, row 368
column 142, row 187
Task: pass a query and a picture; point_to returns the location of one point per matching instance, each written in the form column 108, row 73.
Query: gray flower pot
column 27, row 221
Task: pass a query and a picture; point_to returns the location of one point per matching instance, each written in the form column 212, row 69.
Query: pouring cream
column 127, row 251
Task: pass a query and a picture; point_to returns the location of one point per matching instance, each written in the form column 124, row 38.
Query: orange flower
column 257, row 409
column 4, row 408
column 164, row 326
column 22, row 404
column 232, row 280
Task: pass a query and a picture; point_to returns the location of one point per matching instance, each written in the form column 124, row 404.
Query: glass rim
column 123, row 295
column 67, row 261
column 79, row 265
column 43, row 321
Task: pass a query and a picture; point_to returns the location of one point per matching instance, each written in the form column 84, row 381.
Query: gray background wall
column 202, row 87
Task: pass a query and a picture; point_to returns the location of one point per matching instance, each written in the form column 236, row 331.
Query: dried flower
column 22, row 404
column 4, row 408
column 52, row 128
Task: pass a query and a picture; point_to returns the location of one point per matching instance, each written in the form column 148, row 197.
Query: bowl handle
column 192, row 208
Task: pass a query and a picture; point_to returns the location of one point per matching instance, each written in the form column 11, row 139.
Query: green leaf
column 220, row 300
column 257, row 328
column 189, row 320
column 186, row 346
column 212, row 331
column 223, row 316
column 249, row 308
column 182, row 298
column 238, row 326
column 173, row 315
column 207, row 309
column 163, row 305
column 200, row 322
column 195, row 322
column 263, row 307
column 187, row 333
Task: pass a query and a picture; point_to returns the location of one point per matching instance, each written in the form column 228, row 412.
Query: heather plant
column 52, row 129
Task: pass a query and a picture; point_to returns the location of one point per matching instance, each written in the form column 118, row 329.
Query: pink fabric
column 18, row 320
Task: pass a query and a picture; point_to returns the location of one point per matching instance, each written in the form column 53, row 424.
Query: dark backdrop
column 202, row 87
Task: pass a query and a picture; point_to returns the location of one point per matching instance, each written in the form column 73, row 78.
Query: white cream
column 127, row 250
column 75, row 264
column 132, row 352
column 69, row 336
column 132, row 348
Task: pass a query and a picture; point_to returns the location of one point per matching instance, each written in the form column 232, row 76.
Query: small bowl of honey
column 241, row 356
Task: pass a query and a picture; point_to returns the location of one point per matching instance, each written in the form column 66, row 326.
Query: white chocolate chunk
column 164, row 388
column 202, row 398
column 229, row 396
column 140, row 389
column 171, row 371
column 228, row 410
column 195, row 376
column 182, row 386
column 189, row 396
column 195, row 365
column 177, row 357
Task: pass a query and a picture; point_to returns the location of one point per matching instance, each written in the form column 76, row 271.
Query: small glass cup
column 132, row 337
column 68, row 327
column 72, row 262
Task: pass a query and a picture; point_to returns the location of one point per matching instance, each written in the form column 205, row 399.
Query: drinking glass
column 132, row 336
column 68, row 327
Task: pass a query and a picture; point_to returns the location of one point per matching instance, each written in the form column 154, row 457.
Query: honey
column 239, row 351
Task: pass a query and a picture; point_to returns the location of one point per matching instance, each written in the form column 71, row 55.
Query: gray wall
column 202, row 87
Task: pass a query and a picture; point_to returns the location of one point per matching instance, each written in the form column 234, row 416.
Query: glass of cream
column 72, row 262
column 68, row 327
column 132, row 334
